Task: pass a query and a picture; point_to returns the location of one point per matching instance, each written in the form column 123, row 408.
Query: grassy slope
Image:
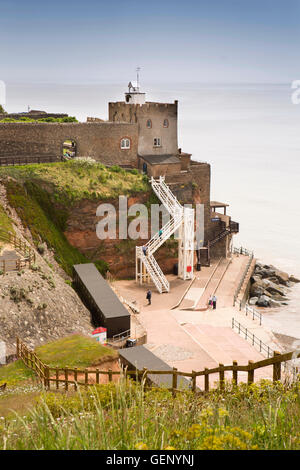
column 121, row 416
column 74, row 351
column 15, row 373
column 43, row 194
column 5, row 221
column 74, row 180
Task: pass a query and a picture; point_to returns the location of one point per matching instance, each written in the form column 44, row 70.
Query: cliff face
column 119, row 254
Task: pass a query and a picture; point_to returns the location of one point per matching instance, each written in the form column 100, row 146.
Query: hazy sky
column 179, row 41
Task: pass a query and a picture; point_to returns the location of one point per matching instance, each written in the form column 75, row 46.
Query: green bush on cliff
column 43, row 196
column 25, row 119
column 78, row 179
column 5, row 221
column 34, row 208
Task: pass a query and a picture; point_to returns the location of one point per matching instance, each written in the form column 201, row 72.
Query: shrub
column 41, row 249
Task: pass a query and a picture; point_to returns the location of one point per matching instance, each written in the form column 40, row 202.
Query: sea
column 249, row 133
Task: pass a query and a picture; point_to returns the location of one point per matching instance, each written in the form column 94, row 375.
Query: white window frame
column 125, row 143
column 157, row 142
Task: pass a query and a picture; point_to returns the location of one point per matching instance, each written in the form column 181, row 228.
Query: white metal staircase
column 181, row 218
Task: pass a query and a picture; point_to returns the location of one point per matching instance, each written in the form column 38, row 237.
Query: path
column 193, row 339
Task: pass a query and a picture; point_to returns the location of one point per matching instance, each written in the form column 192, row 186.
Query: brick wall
column 97, row 140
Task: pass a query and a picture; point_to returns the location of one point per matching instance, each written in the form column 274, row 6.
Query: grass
column 74, row 180
column 74, row 351
column 5, row 221
column 44, row 194
column 15, row 373
column 122, row 416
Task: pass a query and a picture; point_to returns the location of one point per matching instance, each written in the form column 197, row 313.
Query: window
column 156, row 142
column 125, row 144
column 166, row 123
column 149, row 124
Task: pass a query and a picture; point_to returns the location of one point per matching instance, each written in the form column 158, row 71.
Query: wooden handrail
column 21, row 246
column 43, row 371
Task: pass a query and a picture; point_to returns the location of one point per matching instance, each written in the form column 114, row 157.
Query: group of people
column 212, row 302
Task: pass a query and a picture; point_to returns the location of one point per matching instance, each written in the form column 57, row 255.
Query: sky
column 211, row 41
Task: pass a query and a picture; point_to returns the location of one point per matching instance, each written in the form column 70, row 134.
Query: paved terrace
column 195, row 339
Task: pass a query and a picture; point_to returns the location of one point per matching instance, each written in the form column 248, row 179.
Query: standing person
column 148, row 296
column 160, row 233
column 144, row 250
column 214, row 301
column 210, row 301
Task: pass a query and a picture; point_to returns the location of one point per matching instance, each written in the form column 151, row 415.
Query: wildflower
column 223, row 413
column 169, row 448
column 141, row 446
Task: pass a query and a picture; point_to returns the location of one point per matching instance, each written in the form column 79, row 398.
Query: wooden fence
column 22, row 247
column 69, row 376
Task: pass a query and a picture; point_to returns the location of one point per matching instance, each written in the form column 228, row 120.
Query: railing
column 219, row 237
column 28, row 160
column 242, row 280
column 250, row 336
column 242, row 251
column 72, row 376
column 262, row 346
column 250, row 310
column 121, row 336
column 21, row 246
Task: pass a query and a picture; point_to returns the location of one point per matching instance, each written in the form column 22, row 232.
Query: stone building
column 138, row 134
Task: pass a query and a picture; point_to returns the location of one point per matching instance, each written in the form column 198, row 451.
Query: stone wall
column 99, row 140
column 157, row 113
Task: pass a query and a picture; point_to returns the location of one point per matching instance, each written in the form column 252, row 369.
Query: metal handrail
column 248, row 309
column 254, row 339
column 262, row 346
column 125, row 334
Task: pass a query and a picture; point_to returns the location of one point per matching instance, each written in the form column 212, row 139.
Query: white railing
column 177, row 213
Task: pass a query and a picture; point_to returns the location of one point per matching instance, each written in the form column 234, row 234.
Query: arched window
column 125, row 143
column 149, row 124
column 166, row 123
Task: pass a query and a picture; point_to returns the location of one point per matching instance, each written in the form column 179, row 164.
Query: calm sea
column 248, row 133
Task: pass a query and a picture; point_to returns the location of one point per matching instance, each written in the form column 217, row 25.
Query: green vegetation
column 25, row 119
column 2, row 110
column 42, row 227
column 15, row 373
column 44, row 194
column 122, row 416
column 5, row 221
column 74, row 351
column 73, row 180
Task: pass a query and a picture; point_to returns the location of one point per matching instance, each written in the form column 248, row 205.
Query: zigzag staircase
column 146, row 265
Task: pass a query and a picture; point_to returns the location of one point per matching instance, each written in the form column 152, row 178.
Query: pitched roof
column 103, row 295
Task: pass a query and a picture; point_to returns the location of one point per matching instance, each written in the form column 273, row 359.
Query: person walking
column 214, row 302
column 144, row 250
column 148, row 296
column 160, row 233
